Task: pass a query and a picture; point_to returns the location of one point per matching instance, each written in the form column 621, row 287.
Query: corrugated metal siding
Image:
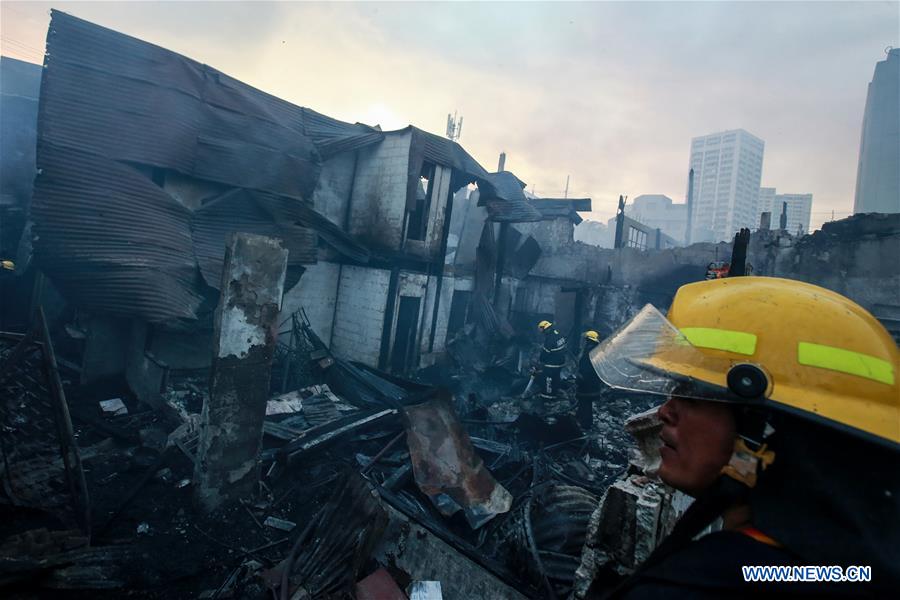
column 111, row 240
column 115, row 242
column 126, row 99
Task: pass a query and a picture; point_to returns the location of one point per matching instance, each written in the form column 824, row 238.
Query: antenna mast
column 454, row 126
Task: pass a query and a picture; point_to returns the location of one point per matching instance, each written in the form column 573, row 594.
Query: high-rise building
column 659, row 212
column 727, row 171
column 766, row 203
column 799, row 209
column 878, row 175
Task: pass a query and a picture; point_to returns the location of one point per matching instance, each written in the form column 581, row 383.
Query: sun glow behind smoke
column 381, row 114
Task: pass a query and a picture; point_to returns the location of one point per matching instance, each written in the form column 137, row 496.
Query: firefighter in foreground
column 588, row 386
column 783, row 419
column 553, row 359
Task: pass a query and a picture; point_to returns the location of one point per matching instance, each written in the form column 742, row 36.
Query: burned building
column 334, row 405
column 396, row 198
column 148, row 167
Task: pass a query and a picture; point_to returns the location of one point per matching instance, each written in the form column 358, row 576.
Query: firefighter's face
column 698, row 438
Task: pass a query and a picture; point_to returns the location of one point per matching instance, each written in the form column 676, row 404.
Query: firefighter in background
column 588, row 386
column 553, row 359
column 782, row 418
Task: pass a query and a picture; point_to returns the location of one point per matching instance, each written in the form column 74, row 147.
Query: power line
column 32, row 55
column 9, row 40
column 18, row 55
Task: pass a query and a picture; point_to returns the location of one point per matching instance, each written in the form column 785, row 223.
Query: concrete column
column 243, row 344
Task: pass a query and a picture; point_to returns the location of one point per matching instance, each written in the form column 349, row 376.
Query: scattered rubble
column 360, row 473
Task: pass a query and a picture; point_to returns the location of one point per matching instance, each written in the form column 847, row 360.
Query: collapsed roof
column 567, row 208
column 116, row 116
column 503, row 197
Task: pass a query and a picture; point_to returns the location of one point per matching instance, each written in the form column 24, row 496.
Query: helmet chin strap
column 746, row 463
column 751, row 454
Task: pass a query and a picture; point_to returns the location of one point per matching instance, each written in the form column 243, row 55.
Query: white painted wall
column 361, row 304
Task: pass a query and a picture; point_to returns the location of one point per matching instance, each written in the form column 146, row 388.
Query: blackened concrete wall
column 332, row 191
column 378, row 205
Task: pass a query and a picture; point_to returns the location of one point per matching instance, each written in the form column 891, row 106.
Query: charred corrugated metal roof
column 121, row 244
column 553, row 208
column 446, row 152
column 503, row 197
column 333, row 137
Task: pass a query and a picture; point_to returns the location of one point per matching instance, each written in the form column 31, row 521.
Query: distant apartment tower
column 878, row 174
column 799, row 209
column 727, row 171
column 659, row 212
column 766, row 203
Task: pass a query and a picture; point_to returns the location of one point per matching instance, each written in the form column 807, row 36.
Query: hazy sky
column 609, row 93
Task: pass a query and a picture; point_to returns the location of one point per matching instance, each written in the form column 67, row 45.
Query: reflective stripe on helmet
column 845, row 361
column 738, row 342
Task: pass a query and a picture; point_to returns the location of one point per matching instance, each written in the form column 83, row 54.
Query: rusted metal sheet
column 446, row 467
column 379, row 586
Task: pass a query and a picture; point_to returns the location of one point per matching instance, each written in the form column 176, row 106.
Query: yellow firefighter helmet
column 765, row 341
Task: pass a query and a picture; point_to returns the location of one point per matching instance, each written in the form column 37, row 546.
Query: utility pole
column 618, row 241
column 566, row 193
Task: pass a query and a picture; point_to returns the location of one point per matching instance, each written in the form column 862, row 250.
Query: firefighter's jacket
column 588, row 384
column 553, row 352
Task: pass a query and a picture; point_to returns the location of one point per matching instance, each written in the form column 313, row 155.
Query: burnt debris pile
column 366, row 482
